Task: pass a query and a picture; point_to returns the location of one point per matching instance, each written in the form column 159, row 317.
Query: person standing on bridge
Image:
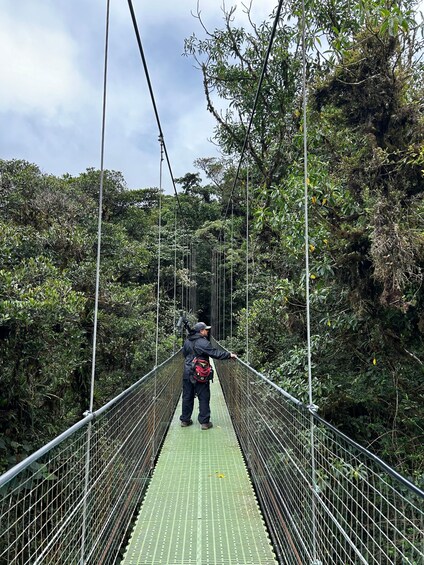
column 198, row 345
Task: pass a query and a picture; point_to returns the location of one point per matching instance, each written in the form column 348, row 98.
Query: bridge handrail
column 312, row 410
column 327, row 499
column 75, row 496
column 25, row 463
column 34, row 457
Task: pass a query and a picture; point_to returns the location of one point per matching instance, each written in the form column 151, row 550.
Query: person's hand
column 233, row 356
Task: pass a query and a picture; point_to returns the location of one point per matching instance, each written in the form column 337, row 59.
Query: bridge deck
column 200, row 507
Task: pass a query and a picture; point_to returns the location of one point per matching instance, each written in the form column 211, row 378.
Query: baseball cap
column 201, row 326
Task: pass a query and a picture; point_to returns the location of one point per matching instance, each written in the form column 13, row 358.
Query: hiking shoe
column 184, row 424
column 207, row 426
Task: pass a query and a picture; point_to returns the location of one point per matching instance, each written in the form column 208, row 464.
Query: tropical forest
column 236, row 229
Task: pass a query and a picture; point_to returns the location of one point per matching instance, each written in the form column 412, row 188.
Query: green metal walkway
column 200, row 507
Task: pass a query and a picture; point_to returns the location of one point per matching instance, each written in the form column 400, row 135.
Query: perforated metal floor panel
column 200, row 507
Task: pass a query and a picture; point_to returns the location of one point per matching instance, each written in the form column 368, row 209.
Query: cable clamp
column 313, row 408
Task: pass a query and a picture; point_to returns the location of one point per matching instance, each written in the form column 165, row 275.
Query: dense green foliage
column 366, row 243
column 47, row 285
column 365, row 200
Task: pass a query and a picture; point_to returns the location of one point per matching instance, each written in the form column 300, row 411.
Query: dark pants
column 203, row 393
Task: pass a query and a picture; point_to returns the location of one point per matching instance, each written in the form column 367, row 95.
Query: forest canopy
column 365, row 137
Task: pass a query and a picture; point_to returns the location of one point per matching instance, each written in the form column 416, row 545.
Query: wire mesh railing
column 332, row 502
column 326, row 500
column 73, row 500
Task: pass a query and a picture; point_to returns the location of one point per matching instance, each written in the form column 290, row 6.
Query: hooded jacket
column 197, row 345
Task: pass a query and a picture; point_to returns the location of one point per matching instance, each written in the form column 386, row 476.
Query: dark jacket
column 197, row 345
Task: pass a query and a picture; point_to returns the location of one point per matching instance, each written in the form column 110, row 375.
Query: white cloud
column 51, row 56
column 39, row 70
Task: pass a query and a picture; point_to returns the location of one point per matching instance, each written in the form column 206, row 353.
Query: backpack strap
column 193, row 349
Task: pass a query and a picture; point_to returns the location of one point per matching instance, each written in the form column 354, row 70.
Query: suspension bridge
column 272, row 482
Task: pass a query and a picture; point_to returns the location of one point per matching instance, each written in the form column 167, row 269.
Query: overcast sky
column 51, row 61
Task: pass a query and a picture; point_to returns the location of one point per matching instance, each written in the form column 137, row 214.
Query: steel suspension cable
column 306, row 207
column 186, row 306
column 213, row 291
column 247, row 265
column 258, row 91
column 223, row 301
column 175, row 275
column 231, row 274
column 153, row 100
column 96, row 297
column 218, row 290
column 182, row 277
column 191, row 287
column 247, row 305
column 222, row 294
column 100, row 214
column 189, row 277
column 155, row 109
column 187, row 286
column 224, row 288
column 312, row 407
column 157, row 297
column 159, row 248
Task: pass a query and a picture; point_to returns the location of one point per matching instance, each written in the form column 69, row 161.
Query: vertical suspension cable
column 96, row 298
column 192, row 279
column 213, row 293
column 189, row 277
column 187, row 274
column 247, row 313
column 231, row 274
column 221, row 294
column 219, row 285
column 247, row 265
column 175, row 276
column 182, row 278
column 312, row 407
column 306, row 208
column 216, row 288
column 157, row 300
column 191, row 288
column 218, row 291
column 217, row 317
column 223, row 270
column 224, row 289
column 100, row 215
column 159, row 248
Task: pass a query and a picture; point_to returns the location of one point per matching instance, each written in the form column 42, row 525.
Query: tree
column 365, row 201
column 47, row 280
column 231, row 60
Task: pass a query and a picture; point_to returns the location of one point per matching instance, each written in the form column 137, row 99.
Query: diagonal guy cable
column 249, row 127
column 152, row 96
